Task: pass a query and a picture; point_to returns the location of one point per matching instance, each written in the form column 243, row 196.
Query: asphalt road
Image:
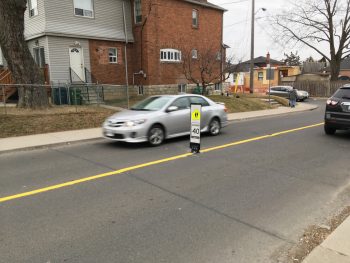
column 246, row 202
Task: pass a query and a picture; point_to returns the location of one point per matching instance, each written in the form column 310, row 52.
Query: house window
column 1, row 58
column 140, row 91
column 39, row 56
column 195, row 18
column 137, row 11
column 260, row 76
column 113, row 55
column 182, row 88
column 33, row 8
column 194, row 54
column 84, row 8
column 170, row 55
column 217, row 86
column 218, row 56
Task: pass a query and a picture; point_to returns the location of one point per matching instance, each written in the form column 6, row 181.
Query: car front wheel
column 329, row 130
column 214, row 127
column 156, row 135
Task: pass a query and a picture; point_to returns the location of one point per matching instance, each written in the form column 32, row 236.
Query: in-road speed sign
column 195, row 138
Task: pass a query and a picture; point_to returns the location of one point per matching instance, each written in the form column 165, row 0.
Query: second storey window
column 170, row 55
column 137, row 11
column 84, row 8
column 113, row 55
column 33, row 8
column 195, row 18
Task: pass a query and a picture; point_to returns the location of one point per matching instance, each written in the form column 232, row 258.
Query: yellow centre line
column 139, row 166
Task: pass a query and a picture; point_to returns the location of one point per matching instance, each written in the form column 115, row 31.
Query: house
column 73, row 37
column 241, row 74
column 86, row 40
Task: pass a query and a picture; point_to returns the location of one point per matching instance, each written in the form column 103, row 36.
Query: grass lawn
column 19, row 122
column 247, row 102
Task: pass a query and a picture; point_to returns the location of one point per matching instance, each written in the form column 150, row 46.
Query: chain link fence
column 74, row 95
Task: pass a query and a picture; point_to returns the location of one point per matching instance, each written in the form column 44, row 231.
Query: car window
column 152, row 103
column 275, row 89
column 199, row 100
column 182, row 103
column 283, row 89
column 342, row 94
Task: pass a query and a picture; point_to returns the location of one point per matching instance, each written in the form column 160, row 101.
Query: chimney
column 268, row 58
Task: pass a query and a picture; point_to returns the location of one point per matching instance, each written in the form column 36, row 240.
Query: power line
column 235, row 2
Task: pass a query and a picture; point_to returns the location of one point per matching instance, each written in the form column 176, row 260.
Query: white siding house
column 58, row 32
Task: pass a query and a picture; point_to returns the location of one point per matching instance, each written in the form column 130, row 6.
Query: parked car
column 161, row 117
column 337, row 115
column 283, row 91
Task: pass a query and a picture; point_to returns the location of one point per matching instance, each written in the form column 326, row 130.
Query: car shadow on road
column 144, row 145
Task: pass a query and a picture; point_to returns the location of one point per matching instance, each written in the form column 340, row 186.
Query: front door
column 77, row 64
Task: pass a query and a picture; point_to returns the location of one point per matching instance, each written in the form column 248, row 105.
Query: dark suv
column 337, row 116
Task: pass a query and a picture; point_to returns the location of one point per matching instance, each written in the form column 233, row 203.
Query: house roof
column 205, row 4
column 261, row 59
column 345, row 64
column 245, row 66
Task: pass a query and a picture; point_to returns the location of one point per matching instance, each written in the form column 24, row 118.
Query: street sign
column 195, row 138
column 270, row 74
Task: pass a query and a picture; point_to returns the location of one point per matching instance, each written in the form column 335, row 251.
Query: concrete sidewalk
column 335, row 249
column 47, row 139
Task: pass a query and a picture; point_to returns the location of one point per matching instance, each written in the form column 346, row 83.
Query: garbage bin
column 60, row 96
column 197, row 90
column 75, row 96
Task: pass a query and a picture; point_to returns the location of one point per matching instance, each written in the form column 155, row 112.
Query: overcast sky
column 237, row 25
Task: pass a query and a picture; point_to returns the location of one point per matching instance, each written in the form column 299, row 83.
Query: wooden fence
column 318, row 88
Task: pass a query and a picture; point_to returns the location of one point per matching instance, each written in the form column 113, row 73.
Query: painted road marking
column 139, row 166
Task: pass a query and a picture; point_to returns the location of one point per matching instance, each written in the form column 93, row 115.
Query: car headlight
column 134, row 123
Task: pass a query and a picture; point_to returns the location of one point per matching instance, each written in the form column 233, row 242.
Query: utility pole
column 251, row 86
column 126, row 56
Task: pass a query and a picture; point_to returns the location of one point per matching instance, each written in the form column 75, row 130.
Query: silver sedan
column 161, row 117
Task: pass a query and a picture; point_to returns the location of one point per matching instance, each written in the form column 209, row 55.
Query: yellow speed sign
column 196, row 115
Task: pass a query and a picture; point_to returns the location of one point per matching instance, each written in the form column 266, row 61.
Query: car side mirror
column 172, row 108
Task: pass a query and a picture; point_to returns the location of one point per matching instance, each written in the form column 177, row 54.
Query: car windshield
column 152, row 103
column 342, row 94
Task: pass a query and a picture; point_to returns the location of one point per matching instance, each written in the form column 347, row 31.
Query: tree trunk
column 16, row 52
column 335, row 69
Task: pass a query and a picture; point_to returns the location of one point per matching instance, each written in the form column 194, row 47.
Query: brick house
column 85, row 40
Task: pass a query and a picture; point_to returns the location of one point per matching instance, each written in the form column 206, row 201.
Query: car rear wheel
column 156, row 135
column 214, row 127
column 329, row 130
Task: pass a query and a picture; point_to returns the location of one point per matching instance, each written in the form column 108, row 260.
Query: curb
column 47, row 146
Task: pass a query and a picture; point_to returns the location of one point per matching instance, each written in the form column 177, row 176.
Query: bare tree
column 313, row 22
column 206, row 67
column 16, row 52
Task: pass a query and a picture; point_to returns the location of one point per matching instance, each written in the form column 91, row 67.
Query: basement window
column 84, row 8
column 33, row 8
column 194, row 54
